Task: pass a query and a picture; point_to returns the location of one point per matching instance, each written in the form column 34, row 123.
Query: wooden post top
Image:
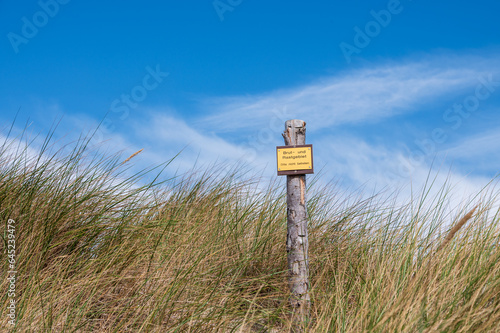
column 295, row 132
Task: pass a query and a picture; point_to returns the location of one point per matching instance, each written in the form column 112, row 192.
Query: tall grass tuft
column 99, row 251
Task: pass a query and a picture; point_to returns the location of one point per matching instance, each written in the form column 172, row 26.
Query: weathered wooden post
column 294, row 161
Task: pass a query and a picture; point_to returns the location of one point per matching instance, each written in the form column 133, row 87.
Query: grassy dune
column 97, row 252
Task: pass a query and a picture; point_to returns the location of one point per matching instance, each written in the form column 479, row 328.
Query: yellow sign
column 294, row 160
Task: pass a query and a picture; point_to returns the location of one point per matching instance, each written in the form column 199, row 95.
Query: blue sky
column 389, row 89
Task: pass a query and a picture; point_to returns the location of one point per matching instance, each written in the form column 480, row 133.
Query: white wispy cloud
column 378, row 167
column 479, row 145
column 167, row 136
column 355, row 96
column 358, row 97
column 246, row 128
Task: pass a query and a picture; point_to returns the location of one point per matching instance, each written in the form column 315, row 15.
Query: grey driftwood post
column 297, row 243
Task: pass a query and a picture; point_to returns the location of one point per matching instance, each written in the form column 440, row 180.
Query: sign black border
column 295, row 172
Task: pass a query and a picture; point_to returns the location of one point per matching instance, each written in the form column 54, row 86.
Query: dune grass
column 98, row 252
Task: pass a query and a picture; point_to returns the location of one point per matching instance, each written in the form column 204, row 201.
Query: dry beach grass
column 99, row 252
